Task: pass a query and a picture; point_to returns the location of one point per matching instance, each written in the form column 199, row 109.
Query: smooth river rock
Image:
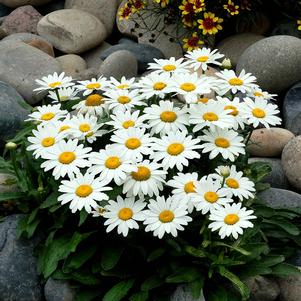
column 57, row 290
column 182, row 293
column 290, row 288
column 72, row 64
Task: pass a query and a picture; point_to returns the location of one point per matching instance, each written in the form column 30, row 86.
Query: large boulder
column 72, row 64
column 72, row 30
column 17, row 3
column 57, row 290
column 290, row 288
column 275, row 61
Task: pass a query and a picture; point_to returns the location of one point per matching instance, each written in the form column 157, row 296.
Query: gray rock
column 25, row 37
column 182, row 293
column 12, row 113
column 144, row 53
column 6, row 183
column 279, row 64
column 19, row 280
column 281, row 198
column 87, row 74
column 72, row 30
column 287, row 28
column 234, row 46
column 4, row 10
column 17, row 3
column 262, row 289
column 92, row 57
column 21, row 65
column 118, row 64
column 276, row 178
column 292, row 109
column 57, row 290
column 72, row 64
column 290, row 288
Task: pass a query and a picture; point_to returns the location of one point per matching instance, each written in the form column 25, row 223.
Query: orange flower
column 231, row 8
column 189, row 21
column 192, row 42
column 125, row 12
column 198, row 5
column 136, row 5
column 186, row 7
column 210, row 24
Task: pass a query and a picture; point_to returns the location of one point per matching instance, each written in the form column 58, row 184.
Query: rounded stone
column 72, row 30
column 234, row 46
column 183, row 293
column 23, row 37
column 92, row 57
column 291, row 162
column 269, row 142
column 7, row 183
column 58, row 290
column 17, row 3
column 42, row 45
column 275, row 61
column 290, row 288
column 72, row 64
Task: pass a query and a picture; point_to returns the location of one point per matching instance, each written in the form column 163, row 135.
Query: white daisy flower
column 184, row 188
column 210, row 195
column 166, row 216
column 210, row 114
column 123, row 84
column 259, row 112
column 175, row 149
column 110, row 165
column 256, row 92
column 47, row 113
column 225, row 142
column 54, row 81
column 94, row 104
column 64, row 94
column 90, row 86
column 165, row 117
column 118, row 100
column 63, row 125
column 200, row 58
column 244, row 82
column 126, row 119
column 123, row 214
column 86, row 128
column 45, row 137
column 83, row 191
column 168, row 65
column 133, row 142
column 148, row 179
column 231, row 220
column 66, row 158
column 98, row 212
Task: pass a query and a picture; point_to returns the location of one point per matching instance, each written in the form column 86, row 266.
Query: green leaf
column 235, row 248
column 118, row 291
column 285, row 225
column 259, row 170
column 23, row 133
column 50, row 201
column 284, row 270
column 184, row 274
column 151, row 283
column 196, row 287
column 85, row 278
column 140, row 296
column 7, row 196
column 254, row 269
column 87, row 294
column 271, row 260
column 110, row 257
column 82, row 217
column 195, row 252
column 155, row 254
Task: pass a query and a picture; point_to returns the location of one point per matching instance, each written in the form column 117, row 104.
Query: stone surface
column 262, row 289
column 144, row 53
column 182, row 293
column 104, row 10
column 56, row 290
column 12, row 114
column 234, row 46
column 292, row 109
column 21, row 65
column 92, row 57
column 290, row 288
column 19, row 280
column 275, row 61
column 17, row 3
column 291, row 162
column 22, row 19
column 288, row 28
column 72, row 64
column 269, row 142
column 6, row 184
column 118, row 64
column 72, row 30
column 277, row 176
column 87, row 74
column 42, row 45
column 23, row 37
column 277, row 198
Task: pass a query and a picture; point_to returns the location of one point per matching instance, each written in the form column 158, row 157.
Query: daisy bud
column 225, row 171
column 226, row 64
column 10, row 145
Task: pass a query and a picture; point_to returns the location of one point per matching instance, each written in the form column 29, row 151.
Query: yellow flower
column 198, row 5
column 186, row 7
column 125, row 12
column 299, row 24
column 136, row 5
column 210, row 24
column 189, row 21
column 192, row 42
column 231, row 8
column 163, row 3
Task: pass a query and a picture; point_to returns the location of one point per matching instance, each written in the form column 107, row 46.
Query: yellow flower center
column 166, row 216
column 124, row 99
column 222, row 142
column 64, row 98
column 236, row 81
column 47, row 116
column 258, row 94
column 231, row 219
column 83, row 190
column 168, row 116
column 210, row 116
column 259, row 113
column 125, row 214
column 169, row 68
column 159, row 86
column 49, row 141
column 188, row 87
column 64, row 128
column 133, row 143
column 112, row 162
column 232, row 183
column 203, row 100
column 234, row 110
column 67, row 157
column 211, row 196
column 202, row 59
column 142, row 174
column 175, row 149
column 189, row 187
column 54, row 84
column 90, row 134
column 123, row 86
column 129, row 123
column 94, row 100
column 93, row 86
column 84, row 127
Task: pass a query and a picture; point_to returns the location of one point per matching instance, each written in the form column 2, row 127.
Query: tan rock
column 72, row 64
column 42, row 45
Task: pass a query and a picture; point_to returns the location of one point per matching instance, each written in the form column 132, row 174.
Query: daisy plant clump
column 139, row 185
